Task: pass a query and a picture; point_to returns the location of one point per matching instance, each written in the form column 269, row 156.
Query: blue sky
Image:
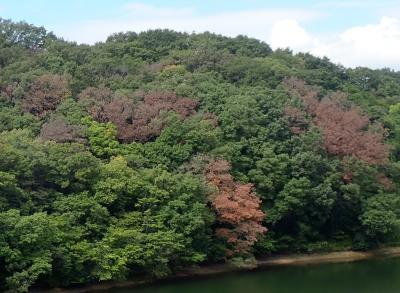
column 51, row 12
column 352, row 32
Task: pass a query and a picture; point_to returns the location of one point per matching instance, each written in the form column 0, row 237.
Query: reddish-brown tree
column 386, row 183
column 297, row 119
column 237, row 207
column 58, row 130
column 143, row 120
column 94, row 98
column 156, row 102
column 8, row 91
column 45, row 93
column 346, row 131
column 147, row 119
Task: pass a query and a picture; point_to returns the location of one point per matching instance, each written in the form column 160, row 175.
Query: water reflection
column 375, row 276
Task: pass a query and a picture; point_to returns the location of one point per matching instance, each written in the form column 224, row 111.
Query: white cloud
column 289, row 33
column 373, row 45
column 390, row 11
column 140, row 17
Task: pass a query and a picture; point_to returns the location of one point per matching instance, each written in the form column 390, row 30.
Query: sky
column 352, row 33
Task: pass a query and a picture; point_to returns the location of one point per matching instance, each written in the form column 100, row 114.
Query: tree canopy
column 157, row 150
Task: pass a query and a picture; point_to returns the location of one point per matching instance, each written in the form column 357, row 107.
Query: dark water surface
column 374, row 276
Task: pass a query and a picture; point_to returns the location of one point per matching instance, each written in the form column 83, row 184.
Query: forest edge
column 225, row 268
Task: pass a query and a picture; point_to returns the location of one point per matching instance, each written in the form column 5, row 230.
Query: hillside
column 154, row 151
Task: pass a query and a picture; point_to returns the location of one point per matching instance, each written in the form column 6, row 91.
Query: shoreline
column 218, row 269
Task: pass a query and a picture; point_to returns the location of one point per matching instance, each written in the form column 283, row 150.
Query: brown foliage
column 308, row 94
column 347, row 132
column 142, row 121
column 8, row 91
column 211, row 118
column 297, row 120
column 237, row 207
column 154, row 67
column 58, row 130
column 385, row 182
column 347, row 177
column 155, row 102
column 45, row 93
column 94, row 98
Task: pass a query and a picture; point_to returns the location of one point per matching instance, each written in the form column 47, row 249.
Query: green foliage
column 13, row 118
column 392, row 121
column 26, row 246
column 380, row 217
column 102, row 138
column 103, row 209
column 24, row 35
column 11, row 195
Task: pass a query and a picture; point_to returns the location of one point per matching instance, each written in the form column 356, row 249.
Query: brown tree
column 237, row 207
column 120, row 112
column 347, row 132
column 8, row 91
column 156, row 102
column 386, row 183
column 140, row 121
column 45, row 93
column 58, row 130
column 94, row 99
column 297, row 120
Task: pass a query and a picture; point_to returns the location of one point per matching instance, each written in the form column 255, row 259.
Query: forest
column 155, row 151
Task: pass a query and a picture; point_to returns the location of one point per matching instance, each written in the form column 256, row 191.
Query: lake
column 373, row 276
